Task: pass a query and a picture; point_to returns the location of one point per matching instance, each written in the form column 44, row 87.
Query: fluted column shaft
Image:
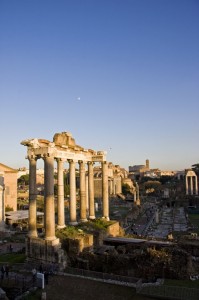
column 105, row 199
column 191, row 184
column 60, row 198
column 73, row 215
column 49, row 206
column 91, row 191
column 87, row 200
column 32, row 197
column 82, row 191
column 187, row 189
column 196, row 184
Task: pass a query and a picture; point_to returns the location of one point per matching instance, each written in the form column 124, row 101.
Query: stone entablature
column 41, row 148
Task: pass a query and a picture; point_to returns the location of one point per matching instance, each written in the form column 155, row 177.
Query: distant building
column 166, row 173
column 8, row 189
column 22, row 172
column 115, row 179
column 139, row 170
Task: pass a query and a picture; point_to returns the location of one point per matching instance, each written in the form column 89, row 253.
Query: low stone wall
column 74, row 246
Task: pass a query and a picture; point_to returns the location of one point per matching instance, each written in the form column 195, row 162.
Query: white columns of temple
column 32, row 197
column 187, row 186
column 196, row 185
column 87, row 200
column 105, row 199
column 191, row 185
column 91, row 191
column 49, row 198
column 82, row 191
column 60, row 192
column 191, row 182
column 73, row 215
column 111, row 187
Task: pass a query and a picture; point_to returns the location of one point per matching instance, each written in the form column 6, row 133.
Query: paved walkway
column 171, row 219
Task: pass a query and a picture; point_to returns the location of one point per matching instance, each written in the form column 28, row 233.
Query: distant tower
column 147, row 163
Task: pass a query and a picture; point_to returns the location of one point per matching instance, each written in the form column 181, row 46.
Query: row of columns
column 49, row 209
column 191, row 185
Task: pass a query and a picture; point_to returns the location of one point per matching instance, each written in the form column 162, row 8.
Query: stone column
column 73, row 215
column 191, row 184
column 87, row 200
column 49, row 206
column 134, row 197
column 105, row 199
column 196, row 185
column 32, row 197
column 60, row 198
column 82, row 191
column 91, row 191
column 138, row 194
column 187, row 188
column 111, row 186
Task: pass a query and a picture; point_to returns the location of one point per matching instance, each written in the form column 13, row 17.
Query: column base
column 138, row 202
column 32, row 234
column 83, row 220
column 61, row 226
column 50, row 238
column 106, row 218
column 91, row 217
column 73, row 223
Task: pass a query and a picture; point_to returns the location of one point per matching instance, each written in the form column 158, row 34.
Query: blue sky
column 133, row 63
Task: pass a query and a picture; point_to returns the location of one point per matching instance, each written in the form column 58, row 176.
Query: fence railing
column 102, row 276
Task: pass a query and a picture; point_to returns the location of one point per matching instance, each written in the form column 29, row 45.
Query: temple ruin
column 191, row 182
column 62, row 149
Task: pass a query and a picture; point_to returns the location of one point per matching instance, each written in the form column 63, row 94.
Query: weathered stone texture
column 9, row 177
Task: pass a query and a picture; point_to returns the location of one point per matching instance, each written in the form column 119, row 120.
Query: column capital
column 71, row 160
column 80, row 161
column 90, row 163
column 59, row 159
column 47, row 155
column 32, row 157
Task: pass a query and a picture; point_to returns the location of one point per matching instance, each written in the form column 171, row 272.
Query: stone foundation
column 114, row 229
column 45, row 251
column 74, row 246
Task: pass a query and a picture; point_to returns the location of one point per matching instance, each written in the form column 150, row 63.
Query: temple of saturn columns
column 191, row 183
column 62, row 149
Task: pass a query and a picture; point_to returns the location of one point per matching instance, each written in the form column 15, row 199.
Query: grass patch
column 97, row 224
column 70, row 232
column 182, row 283
column 194, row 219
column 13, row 258
column 83, row 228
column 34, row 295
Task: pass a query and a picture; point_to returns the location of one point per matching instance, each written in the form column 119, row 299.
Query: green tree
column 195, row 168
column 24, row 179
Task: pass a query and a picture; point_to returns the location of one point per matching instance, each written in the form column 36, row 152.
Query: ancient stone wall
column 10, row 181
